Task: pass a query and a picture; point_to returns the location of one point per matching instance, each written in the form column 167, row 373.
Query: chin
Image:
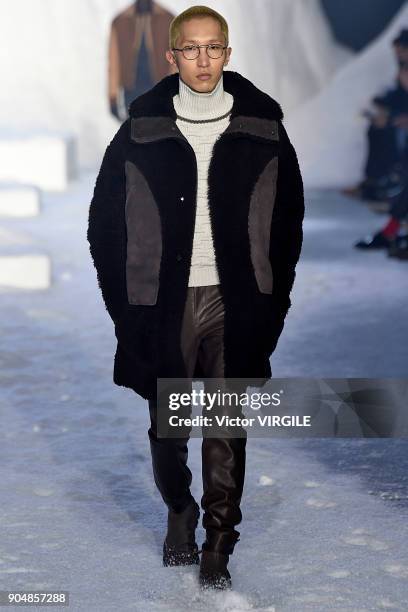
column 200, row 86
column 204, row 85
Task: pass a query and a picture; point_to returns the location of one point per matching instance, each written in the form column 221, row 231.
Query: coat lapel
column 152, row 129
column 253, row 114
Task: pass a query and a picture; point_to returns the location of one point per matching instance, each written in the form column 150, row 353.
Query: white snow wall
column 53, row 60
column 328, row 131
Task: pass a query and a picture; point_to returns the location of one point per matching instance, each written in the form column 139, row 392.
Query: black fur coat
column 141, row 228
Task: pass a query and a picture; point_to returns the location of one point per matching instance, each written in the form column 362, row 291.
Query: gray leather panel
column 259, row 224
column 150, row 129
column 254, row 126
column 144, row 240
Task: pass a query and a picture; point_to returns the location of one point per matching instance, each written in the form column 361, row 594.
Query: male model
column 195, row 229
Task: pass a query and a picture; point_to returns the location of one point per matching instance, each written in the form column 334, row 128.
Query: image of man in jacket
column 195, row 230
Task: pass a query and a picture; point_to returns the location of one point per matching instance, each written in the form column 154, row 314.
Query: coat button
column 179, row 256
column 182, row 199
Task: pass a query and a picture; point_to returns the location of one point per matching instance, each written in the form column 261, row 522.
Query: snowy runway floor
column 324, row 521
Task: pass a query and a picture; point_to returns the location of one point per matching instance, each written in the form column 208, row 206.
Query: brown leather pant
column 223, row 459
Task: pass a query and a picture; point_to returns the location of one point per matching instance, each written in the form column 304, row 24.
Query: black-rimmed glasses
column 191, row 52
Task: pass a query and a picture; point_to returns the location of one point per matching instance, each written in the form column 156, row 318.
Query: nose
column 203, row 59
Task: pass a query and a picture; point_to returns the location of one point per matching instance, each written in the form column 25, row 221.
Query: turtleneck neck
column 195, row 105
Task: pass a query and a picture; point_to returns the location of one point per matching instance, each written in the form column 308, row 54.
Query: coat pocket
column 144, row 239
column 259, row 224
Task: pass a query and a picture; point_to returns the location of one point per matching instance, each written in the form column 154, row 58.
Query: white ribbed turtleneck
column 213, row 108
column 208, row 105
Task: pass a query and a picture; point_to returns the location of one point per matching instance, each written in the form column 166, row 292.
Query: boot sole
column 173, row 558
column 219, row 583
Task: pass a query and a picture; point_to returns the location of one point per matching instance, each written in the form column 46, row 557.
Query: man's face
column 401, row 52
column 201, row 74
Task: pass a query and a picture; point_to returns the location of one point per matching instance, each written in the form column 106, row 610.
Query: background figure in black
column 400, row 45
column 393, row 236
column 383, row 174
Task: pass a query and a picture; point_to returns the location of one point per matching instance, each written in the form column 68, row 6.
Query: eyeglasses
column 191, row 52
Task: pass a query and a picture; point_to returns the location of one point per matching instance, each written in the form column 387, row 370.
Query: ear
column 170, row 58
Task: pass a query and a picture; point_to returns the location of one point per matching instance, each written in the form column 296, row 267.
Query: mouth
column 204, row 77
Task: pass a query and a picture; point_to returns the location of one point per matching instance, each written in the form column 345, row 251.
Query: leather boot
column 169, row 461
column 223, row 470
column 375, row 241
column 213, row 571
column 180, row 547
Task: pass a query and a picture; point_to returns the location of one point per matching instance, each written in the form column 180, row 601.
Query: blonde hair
column 190, row 13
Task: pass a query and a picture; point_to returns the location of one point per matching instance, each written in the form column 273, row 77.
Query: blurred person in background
column 392, row 235
column 400, row 45
column 387, row 147
column 136, row 55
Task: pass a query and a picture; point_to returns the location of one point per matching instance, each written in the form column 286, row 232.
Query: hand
column 114, row 110
column 380, row 119
column 401, row 121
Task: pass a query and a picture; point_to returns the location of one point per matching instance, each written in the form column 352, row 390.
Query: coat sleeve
column 107, row 226
column 286, row 233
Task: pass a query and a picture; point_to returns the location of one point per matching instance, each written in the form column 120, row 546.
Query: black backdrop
column 356, row 22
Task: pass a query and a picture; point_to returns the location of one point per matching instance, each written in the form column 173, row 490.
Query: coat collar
column 253, row 113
